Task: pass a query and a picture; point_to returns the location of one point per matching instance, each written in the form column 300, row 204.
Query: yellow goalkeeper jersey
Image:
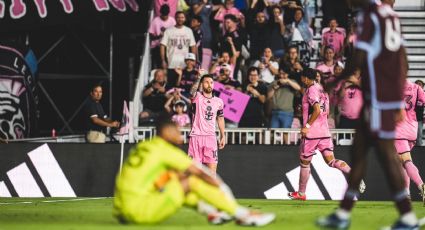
column 145, row 165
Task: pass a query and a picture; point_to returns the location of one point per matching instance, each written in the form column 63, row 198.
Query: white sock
column 241, row 212
column 409, row 218
column 205, row 208
column 343, row 214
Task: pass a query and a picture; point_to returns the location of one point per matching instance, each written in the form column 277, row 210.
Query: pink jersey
column 320, row 128
column 158, row 27
column 351, row 103
column 334, row 40
column 182, row 119
column 413, row 95
column 205, row 112
column 171, row 3
column 322, row 67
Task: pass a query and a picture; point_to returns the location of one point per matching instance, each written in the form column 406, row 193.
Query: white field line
column 53, row 201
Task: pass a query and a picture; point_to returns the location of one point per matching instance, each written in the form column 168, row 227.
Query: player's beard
column 208, row 90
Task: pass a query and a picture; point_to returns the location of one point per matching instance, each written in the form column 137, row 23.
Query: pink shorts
column 203, row 149
column 308, row 146
column 403, row 146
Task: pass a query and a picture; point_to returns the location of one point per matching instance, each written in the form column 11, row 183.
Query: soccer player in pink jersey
column 207, row 112
column 315, row 132
column 381, row 57
column 350, row 102
column 406, row 133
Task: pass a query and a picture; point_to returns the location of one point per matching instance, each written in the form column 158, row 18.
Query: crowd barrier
column 252, row 171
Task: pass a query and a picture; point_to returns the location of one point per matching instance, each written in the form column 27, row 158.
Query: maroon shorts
column 381, row 123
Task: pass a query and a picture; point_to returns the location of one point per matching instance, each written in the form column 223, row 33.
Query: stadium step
column 416, row 73
column 411, row 14
column 413, row 29
column 415, row 43
column 417, row 66
column 416, row 58
column 412, row 21
column 410, row 36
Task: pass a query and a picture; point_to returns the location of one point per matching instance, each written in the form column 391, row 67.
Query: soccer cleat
column 422, row 188
column 297, row 196
column 256, row 219
column 218, row 218
column 362, row 186
column 333, row 221
column 401, row 226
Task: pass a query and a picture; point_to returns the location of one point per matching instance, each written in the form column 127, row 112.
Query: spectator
column 282, row 93
column 234, row 45
column 188, row 75
column 171, row 3
column 257, row 34
column 420, row 116
column 177, row 104
column 277, row 32
column 223, row 59
column 231, row 27
column 326, row 68
column 268, row 67
column 153, row 97
column 350, row 39
column 229, row 9
column 350, row 102
column 195, row 25
column 253, row 115
column 156, row 31
column 335, row 9
column 225, row 79
column 97, row 120
column 334, row 38
column 298, row 34
column 175, row 46
column 292, row 64
column 180, row 116
column 289, row 9
column 204, row 9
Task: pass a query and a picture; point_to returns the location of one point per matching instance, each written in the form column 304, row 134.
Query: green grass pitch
column 49, row 213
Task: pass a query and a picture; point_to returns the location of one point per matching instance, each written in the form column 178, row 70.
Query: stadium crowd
column 259, row 49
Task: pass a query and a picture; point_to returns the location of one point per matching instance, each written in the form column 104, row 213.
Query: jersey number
column 392, row 36
column 409, row 103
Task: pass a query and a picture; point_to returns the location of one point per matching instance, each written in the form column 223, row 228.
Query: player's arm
column 311, row 120
column 195, row 87
column 220, row 122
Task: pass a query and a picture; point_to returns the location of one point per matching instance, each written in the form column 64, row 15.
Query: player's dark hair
column 164, row 10
column 179, row 12
column 231, row 17
column 198, row 18
column 163, row 120
column 309, row 73
column 206, row 76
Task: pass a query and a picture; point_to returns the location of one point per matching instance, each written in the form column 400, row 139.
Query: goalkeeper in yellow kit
column 158, row 178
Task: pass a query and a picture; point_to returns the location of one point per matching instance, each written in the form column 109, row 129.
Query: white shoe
column 218, row 218
column 256, row 219
column 362, row 186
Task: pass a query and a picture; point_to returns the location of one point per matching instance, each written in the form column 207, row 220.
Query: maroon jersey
column 379, row 35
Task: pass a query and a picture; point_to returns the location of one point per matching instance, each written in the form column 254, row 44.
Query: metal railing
column 255, row 135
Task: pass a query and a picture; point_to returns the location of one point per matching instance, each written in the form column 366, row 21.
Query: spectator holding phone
column 268, row 66
column 223, row 59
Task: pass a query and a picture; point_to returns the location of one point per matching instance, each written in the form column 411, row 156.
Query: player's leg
column 307, row 149
column 341, row 218
column 194, row 150
column 392, row 169
column 158, row 205
column 210, row 153
column 412, row 171
column 222, row 199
